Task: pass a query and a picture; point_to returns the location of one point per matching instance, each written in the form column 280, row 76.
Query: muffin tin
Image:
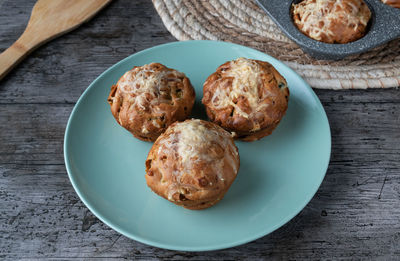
column 384, row 26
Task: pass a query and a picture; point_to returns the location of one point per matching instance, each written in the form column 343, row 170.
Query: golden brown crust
column 192, row 164
column 149, row 98
column 332, row 21
column 247, row 97
column 392, row 3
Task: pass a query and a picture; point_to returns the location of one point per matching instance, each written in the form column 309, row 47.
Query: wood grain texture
column 49, row 19
column 354, row 215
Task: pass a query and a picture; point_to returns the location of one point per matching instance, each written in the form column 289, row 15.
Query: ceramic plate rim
column 171, row 246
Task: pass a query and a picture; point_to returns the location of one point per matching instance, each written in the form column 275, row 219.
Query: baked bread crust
column 247, row 97
column 332, row 21
column 192, row 164
column 392, row 3
column 149, row 98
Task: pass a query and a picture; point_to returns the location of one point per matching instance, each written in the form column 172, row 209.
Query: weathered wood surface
column 354, row 215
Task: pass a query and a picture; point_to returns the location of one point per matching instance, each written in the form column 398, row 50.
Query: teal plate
column 278, row 175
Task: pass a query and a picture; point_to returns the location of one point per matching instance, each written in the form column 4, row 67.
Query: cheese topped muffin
column 247, row 97
column 332, row 21
column 149, row 98
column 192, row 164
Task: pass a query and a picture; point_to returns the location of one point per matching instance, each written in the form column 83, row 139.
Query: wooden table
column 355, row 214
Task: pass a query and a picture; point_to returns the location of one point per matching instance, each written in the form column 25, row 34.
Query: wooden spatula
column 49, row 19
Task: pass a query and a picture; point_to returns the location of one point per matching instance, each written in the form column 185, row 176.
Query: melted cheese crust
column 317, row 17
column 245, row 75
column 191, row 141
column 146, row 85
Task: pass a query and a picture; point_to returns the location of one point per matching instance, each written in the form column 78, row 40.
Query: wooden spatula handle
column 15, row 54
column 49, row 19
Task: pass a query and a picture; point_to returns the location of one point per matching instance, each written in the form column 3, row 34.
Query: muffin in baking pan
column 192, row 164
column 332, row 21
column 246, row 97
column 392, row 3
column 149, row 98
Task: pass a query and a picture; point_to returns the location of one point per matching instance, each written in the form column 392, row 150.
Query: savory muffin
column 392, row 3
column 149, row 98
column 246, row 97
column 332, row 21
column 192, row 164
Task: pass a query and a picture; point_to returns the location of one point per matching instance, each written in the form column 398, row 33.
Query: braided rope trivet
column 243, row 22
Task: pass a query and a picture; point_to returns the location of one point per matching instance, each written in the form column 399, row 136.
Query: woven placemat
column 243, row 22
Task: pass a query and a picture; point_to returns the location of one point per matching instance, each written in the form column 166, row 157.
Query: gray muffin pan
column 384, row 26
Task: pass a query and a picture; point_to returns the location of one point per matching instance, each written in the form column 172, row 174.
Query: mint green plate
column 278, row 175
